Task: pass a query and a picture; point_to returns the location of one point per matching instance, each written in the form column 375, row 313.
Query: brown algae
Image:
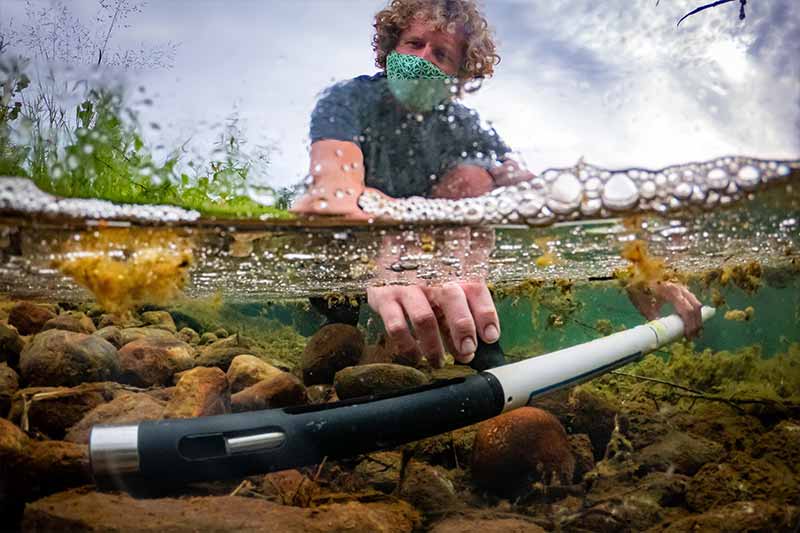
column 124, row 267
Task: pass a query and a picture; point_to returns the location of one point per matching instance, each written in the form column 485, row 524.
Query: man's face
column 440, row 47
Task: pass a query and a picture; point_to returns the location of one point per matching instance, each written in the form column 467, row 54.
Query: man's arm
column 337, row 171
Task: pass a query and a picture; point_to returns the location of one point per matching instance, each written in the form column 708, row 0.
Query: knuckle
column 424, row 319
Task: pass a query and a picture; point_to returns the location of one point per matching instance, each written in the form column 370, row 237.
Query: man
column 402, row 132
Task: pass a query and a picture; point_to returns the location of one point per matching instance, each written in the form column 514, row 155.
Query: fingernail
column 491, row 334
column 467, row 358
column 468, row 345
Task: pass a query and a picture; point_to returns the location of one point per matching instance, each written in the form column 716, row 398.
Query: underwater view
column 400, row 266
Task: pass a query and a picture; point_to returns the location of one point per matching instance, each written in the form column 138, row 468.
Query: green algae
column 737, row 376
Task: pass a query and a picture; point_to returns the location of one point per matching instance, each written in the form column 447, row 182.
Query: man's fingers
column 426, row 328
column 483, row 311
column 384, row 302
column 459, row 323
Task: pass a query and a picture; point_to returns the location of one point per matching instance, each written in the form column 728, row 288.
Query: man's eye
column 441, row 55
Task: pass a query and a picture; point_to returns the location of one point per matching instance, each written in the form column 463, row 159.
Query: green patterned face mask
column 417, row 83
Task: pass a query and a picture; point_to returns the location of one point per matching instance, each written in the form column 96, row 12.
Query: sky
column 613, row 82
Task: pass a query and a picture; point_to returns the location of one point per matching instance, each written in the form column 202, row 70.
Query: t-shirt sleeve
column 336, row 115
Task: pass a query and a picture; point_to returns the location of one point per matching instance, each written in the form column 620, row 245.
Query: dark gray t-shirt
column 405, row 153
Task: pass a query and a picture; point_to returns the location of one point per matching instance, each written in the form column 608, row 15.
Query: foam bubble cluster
column 20, row 195
column 586, row 191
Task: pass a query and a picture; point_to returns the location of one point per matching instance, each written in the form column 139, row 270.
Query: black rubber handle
column 174, row 452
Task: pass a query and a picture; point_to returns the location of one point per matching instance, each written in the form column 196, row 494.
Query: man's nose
column 425, row 53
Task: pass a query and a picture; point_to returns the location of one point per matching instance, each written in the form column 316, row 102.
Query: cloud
column 614, row 81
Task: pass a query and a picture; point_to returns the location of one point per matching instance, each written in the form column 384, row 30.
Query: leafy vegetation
column 95, row 149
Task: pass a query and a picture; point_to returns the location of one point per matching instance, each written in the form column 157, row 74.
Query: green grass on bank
column 96, row 151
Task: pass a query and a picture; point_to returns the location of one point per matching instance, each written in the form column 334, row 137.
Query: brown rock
column 56, row 357
column 680, row 452
column 581, row 448
column 738, row 517
column 189, row 336
column 125, row 408
column 282, row 390
column 160, row 319
column 428, row 488
column 53, row 410
column 289, row 487
column 134, row 334
column 742, row 478
column 30, row 468
column 78, row 323
column 81, row 510
column 208, row 338
column 111, row 319
column 111, row 334
column 29, row 318
column 519, row 447
column 332, row 348
column 321, row 394
column 11, row 345
column 782, row 443
column 222, row 352
column 381, row 470
column 153, row 361
column 200, row 392
column 595, row 416
column 486, row 522
column 376, row 378
column 246, row 370
column 9, row 383
column 452, row 449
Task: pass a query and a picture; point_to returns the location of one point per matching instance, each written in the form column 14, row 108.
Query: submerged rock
column 9, row 384
column 289, row 487
column 376, row 378
column 595, row 416
column 520, row 447
column 486, row 522
column 134, row 334
column 53, row 410
column 11, row 345
column 200, row 392
column 160, row 319
column 153, row 361
column 742, row 478
column 189, row 336
column 31, row 468
column 381, row 470
column 428, row 488
column 281, row 390
column 247, row 370
column 29, row 318
column 581, row 448
column 332, row 348
column 112, row 334
column 749, row 516
column 93, row 511
column 56, row 357
column 125, row 408
column 221, row 353
column 78, row 322
column 782, row 443
column 680, row 452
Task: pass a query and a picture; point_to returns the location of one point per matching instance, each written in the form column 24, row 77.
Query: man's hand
column 649, row 298
column 458, row 311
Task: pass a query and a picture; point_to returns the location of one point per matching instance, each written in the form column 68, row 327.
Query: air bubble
column 620, row 193
column 748, row 177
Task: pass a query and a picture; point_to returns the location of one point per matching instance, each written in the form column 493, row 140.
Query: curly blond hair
column 480, row 56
